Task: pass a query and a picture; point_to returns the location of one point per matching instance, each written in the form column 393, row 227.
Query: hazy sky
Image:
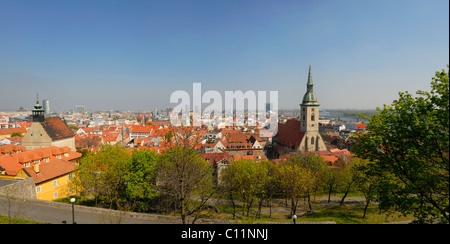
column 134, row 54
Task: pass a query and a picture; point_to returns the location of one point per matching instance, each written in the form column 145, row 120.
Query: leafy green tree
column 315, row 167
column 408, row 143
column 252, row 181
column 141, row 177
column 347, row 178
column 102, row 175
column 301, row 176
column 331, row 181
column 293, row 180
column 365, row 182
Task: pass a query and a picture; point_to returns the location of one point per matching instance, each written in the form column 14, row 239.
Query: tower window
column 312, row 140
column 312, row 117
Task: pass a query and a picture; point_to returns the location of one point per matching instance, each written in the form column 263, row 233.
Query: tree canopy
column 408, row 145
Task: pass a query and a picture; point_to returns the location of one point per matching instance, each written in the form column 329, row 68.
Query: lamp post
column 72, row 200
column 294, row 218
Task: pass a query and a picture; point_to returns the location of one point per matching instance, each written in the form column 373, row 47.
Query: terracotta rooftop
column 11, row 148
column 9, row 131
column 51, row 170
column 289, row 134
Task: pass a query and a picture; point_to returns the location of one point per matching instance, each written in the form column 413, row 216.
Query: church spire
column 309, row 98
column 310, row 80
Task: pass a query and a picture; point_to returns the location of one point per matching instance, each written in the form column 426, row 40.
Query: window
column 55, row 195
column 312, row 140
column 46, row 159
column 36, row 161
column 55, row 183
column 38, row 189
column 312, row 117
column 26, row 164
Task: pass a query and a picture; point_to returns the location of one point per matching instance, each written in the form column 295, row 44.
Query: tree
column 102, row 175
column 251, row 181
column 331, row 181
column 408, row 145
column 16, row 134
column 301, row 176
column 183, row 173
column 141, row 177
column 292, row 180
column 315, row 167
column 347, row 178
column 365, row 182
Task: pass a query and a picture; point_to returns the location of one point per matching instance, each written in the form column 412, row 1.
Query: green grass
column 5, row 220
column 346, row 214
column 353, row 215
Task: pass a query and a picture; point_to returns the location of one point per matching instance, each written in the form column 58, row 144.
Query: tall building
column 309, row 120
column 80, row 109
column 46, row 104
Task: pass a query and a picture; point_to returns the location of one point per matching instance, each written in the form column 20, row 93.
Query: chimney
column 36, row 168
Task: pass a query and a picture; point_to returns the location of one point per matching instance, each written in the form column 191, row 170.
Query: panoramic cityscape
column 224, row 112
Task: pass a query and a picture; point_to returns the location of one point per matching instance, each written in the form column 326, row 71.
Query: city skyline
column 117, row 55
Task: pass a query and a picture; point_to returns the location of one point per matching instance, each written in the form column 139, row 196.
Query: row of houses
column 50, row 167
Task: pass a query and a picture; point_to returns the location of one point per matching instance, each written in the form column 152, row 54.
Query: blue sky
column 134, row 54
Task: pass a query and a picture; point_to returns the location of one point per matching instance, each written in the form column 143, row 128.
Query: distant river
column 339, row 116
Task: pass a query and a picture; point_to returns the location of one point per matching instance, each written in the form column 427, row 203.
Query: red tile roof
column 216, row 157
column 140, row 128
column 51, row 170
column 9, row 131
column 289, row 134
column 11, row 148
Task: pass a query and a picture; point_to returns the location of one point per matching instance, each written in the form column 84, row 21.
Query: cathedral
column 302, row 135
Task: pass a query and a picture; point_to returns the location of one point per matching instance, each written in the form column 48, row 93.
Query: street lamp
column 294, row 218
column 72, row 200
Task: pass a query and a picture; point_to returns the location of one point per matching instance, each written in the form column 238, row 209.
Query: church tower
column 309, row 120
column 38, row 112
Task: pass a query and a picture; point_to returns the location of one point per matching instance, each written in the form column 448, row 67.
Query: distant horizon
column 132, row 55
column 151, row 110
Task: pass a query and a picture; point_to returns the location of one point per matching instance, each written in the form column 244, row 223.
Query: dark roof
column 57, row 128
